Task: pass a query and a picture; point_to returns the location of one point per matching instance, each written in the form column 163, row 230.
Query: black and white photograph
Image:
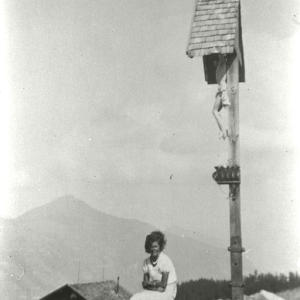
column 149, row 150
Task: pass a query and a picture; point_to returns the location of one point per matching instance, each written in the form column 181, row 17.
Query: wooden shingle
column 214, row 27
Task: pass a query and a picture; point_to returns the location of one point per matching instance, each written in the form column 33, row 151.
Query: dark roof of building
column 215, row 27
column 106, row 290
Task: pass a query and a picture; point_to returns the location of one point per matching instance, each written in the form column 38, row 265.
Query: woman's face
column 155, row 249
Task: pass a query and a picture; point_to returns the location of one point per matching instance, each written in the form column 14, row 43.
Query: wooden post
column 234, row 189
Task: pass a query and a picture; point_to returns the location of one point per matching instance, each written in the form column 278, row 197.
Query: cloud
column 273, row 17
column 255, row 138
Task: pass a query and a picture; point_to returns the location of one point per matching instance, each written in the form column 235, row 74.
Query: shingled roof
column 105, row 290
column 216, row 25
column 101, row 291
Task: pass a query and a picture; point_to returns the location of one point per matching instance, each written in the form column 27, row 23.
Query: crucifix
column 216, row 35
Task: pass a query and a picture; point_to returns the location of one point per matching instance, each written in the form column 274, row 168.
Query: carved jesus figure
column 222, row 100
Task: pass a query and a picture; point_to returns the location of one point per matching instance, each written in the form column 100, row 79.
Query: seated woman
column 160, row 278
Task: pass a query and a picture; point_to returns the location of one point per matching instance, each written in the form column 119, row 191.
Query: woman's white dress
column 164, row 264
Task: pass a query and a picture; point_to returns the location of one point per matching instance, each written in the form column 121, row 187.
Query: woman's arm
column 164, row 281
column 156, row 285
column 145, row 281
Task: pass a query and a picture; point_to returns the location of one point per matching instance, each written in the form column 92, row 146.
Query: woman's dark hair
column 155, row 236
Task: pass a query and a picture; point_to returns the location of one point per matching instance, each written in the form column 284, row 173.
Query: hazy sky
column 100, row 101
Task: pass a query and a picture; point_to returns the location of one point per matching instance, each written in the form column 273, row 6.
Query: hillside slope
column 66, row 239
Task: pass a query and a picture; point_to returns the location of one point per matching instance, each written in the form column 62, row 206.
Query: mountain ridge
column 53, row 241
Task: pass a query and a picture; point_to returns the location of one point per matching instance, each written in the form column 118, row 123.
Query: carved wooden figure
column 216, row 34
column 222, row 100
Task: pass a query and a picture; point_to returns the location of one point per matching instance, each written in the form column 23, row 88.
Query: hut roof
column 106, row 290
column 101, row 291
column 215, row 26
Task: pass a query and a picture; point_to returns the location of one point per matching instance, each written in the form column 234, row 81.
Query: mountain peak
column 63, row 206
column 68, row 200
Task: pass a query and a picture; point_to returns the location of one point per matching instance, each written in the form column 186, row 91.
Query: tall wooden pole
column 234, row 189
